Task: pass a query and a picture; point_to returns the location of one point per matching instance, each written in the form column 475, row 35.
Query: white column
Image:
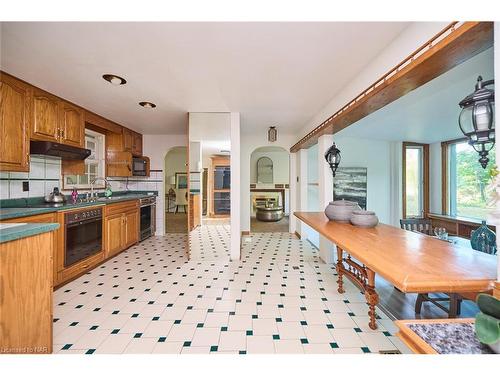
column 293, row 192
column 325, row 181
column 302, row 189
column 235, row 250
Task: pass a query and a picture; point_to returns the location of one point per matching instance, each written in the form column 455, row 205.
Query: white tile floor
column 280, row 298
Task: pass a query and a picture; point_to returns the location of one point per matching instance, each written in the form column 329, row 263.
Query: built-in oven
column 139, row 166
column 83, row 234
column 147, row 217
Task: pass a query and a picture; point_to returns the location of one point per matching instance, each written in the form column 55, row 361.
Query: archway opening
column 269, row 189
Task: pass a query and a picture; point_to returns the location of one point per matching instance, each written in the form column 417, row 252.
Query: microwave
column 139, row 166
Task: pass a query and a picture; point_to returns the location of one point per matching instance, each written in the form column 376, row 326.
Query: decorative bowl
column 341, row 210
column 362, row 218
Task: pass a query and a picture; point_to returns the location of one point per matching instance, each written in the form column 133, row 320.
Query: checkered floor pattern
column 210, row 241
column 280, row 298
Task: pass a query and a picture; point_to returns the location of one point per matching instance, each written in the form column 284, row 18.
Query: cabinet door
column 45, row 116
column 127, row 140
column 131, row 227
column 137, row 144
column 72, row 125
column 115, row 228
column 14, row 124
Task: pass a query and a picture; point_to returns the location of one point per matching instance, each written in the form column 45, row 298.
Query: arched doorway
column 269, row 189
column 175, row 187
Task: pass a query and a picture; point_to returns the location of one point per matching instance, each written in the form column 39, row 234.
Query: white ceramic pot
column 362, row 218
column 341, row 210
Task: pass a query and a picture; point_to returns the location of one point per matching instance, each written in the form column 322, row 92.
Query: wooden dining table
column 411, row 261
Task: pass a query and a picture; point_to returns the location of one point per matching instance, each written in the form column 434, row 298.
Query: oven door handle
column 85, row 221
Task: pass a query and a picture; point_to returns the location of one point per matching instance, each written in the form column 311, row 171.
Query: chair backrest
column 180, row 197
column 417, row 225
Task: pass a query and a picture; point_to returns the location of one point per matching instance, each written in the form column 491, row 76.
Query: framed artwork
column 181, row 180
column 351, row 184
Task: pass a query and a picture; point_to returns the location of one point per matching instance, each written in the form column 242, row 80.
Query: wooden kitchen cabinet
column 45, row 116
column 26, row 295
column 128, row 140
column 121, row 227
column 15, row 101
column 71, row 124
column 137, row 144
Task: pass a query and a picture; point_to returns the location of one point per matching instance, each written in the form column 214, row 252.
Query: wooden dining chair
column 455, row 300
column 417, row 225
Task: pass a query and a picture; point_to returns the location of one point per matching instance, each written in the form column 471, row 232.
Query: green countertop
column 11, row 212
column 11, row 232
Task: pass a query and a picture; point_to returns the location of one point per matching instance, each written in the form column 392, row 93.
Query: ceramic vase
column 484, row 239
column 341, row 210
column 365, row 219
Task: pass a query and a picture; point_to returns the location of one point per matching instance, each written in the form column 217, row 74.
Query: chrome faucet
column 92, row 183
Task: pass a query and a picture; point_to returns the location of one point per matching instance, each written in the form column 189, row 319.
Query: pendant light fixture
column 477, row 119
column 332, row 157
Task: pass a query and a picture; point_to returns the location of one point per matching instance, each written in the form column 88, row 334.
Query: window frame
column 425, row 177
column 100, row 162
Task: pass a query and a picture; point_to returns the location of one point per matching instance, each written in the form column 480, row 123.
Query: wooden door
column 114, row 232
column 45, row 116
column 137, row 144
column 14, row 124
column 131, row 227
column 127, row 140
column 72, row 125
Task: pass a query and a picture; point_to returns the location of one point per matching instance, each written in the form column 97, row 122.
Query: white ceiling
column 278, row 74
column 430, row 113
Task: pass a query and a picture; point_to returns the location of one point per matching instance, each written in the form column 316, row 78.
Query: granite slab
column 24, row 208
column 11, row 232
column 450, row 338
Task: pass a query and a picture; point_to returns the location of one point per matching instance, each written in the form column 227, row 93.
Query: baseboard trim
column 245, row 233
column 297, row 234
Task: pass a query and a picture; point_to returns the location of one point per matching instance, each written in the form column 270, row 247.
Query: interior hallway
column 280, row 298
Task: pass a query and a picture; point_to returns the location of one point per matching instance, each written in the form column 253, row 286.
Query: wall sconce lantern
column 477, row 121
column 272, row 134
column 332, row 157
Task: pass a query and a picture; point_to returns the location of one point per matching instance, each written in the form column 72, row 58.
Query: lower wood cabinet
column 26, row 295
column 121, row 225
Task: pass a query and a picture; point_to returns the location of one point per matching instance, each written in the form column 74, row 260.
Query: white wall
column 249, row 143
column 280, row 158
column 312, row 191
column 156, row 147
column 407, row 42
column 236, row 187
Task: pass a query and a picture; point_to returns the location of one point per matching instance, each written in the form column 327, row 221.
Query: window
column 94, row 164
column 415, row 177
column 467, row 186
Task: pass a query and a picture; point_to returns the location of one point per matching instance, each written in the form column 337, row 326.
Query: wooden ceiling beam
column 452, row 46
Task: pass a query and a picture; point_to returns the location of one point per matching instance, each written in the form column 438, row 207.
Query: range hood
column 57, row 149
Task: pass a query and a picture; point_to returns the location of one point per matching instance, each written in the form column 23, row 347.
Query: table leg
column 340, row 270
column 371, row 297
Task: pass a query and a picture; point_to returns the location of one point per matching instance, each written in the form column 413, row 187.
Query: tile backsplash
column 45, row 174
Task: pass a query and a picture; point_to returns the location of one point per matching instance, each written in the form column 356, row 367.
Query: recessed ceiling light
column 147, row 104
column 114, row 80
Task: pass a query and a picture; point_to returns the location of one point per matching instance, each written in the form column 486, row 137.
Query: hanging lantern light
column 332, row 157
column 272, row 134
column 477, row 120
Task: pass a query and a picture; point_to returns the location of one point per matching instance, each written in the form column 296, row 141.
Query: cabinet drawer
column 43, row 218
column 81, row 267
column 118, row 208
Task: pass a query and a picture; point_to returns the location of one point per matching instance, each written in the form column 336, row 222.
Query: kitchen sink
column 106, row 199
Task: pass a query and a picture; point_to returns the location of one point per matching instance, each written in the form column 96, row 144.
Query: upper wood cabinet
column 15, row 104
column 128, row 140
column 137, row 144
column 71, row 125
column 45, row 116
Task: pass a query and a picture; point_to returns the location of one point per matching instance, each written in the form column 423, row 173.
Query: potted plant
column 487, row 323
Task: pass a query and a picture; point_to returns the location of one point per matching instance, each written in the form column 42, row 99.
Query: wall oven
column 139, row 166
column 83, row 234
column 148, row 217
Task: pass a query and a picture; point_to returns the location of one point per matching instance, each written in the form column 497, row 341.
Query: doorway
column 176, row 187
column 269, row 189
